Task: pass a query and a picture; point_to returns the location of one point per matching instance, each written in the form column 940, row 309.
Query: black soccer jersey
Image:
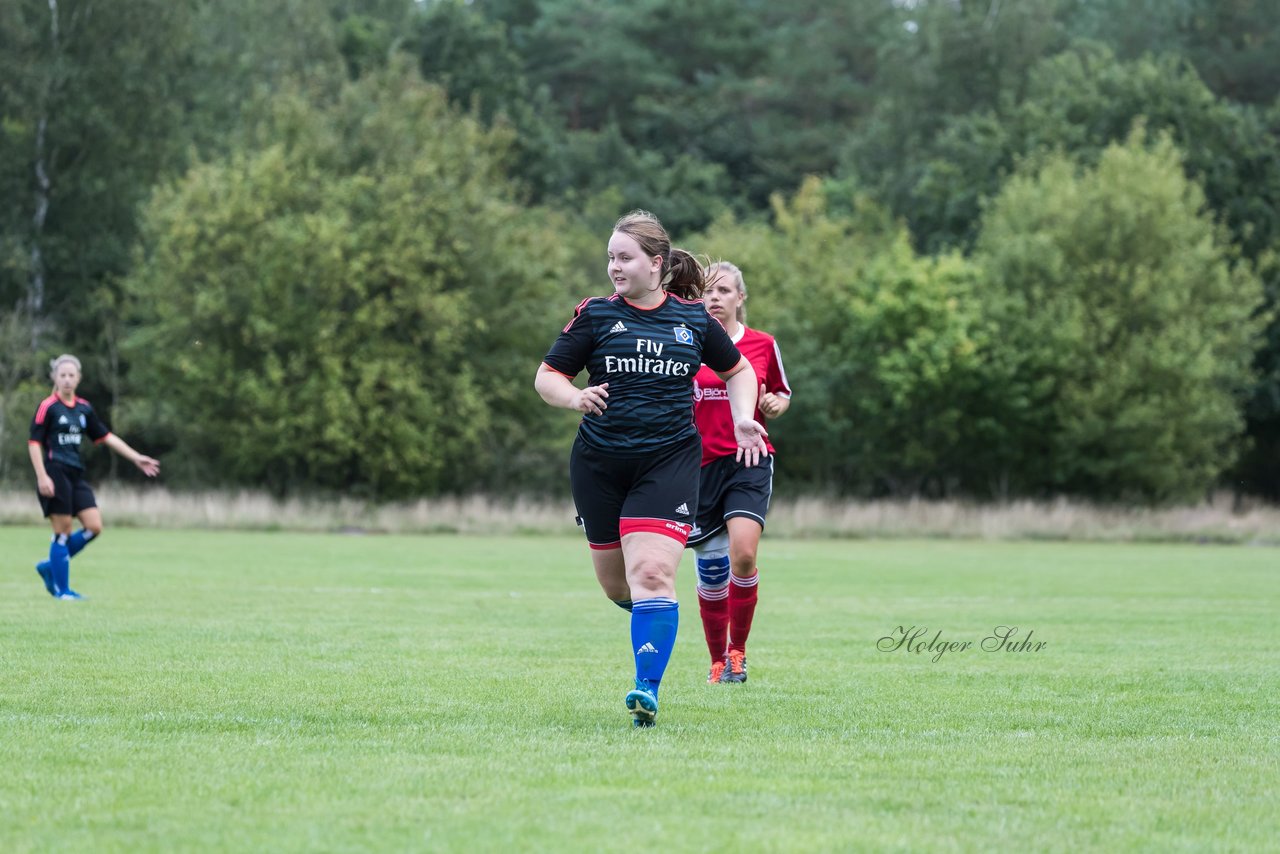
column 58, row 428
column 648, row 357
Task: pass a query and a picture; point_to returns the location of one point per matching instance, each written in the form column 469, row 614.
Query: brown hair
column 725, row 268
column 681, row 272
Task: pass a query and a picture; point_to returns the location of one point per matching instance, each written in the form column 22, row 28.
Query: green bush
column 1127, row 327
column 357, row 303
column 879, row 344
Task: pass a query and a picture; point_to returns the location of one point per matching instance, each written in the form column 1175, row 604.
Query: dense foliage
column 1008, row 248
column 356, row 304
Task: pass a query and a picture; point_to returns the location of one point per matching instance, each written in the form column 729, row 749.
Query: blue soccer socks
column 77, row 541
column 59, row 563
column 55, row 571
column 653, row 635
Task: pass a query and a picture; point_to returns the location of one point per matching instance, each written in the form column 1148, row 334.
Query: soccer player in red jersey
column 732, row 499
column 634, row 466
column 60, row 422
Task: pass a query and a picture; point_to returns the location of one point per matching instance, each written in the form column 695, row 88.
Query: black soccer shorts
column 657, row 493
column 71, row 492
column 726, row 489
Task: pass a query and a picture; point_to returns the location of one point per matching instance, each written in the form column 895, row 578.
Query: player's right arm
column 558, row 390
column 44, row 483
column 35, row 447
column 720, row 355
column 566, row 359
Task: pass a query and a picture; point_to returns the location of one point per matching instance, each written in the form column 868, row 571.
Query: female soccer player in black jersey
column 634, row 465
column 60, row 422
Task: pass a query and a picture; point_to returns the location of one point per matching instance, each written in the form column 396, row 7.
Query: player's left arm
column 720, row 355
column 773, row 405
column 775, row 393
column 749, row 433
column 147, row 465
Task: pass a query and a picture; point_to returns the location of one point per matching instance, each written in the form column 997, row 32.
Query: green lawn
column 227, row 691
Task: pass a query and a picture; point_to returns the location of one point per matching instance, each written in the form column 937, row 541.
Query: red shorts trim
column 604, row 547
column 678, row 531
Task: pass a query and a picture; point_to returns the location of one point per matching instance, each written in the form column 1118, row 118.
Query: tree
column 368, row 31
column 1234, row 46
column 792, row 112
column 100, row 101
column 471, row 57
column 879, row 344
column 1083, row 100
column 18, row 397
column 639, row 95
column 1129, row 324
column 947, row 59
column 356, row 304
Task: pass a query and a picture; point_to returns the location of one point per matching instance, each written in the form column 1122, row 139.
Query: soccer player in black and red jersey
column 733, row 500
column 60, row 423
column 634, row 466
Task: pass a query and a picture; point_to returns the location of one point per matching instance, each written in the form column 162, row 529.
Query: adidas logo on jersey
column 62, row 419
column 648, row 647
column 683, row 509
column 618, row 327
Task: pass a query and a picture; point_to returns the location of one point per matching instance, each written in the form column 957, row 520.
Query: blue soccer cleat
column 642, row 703
column 46, row 575
column 70, row 595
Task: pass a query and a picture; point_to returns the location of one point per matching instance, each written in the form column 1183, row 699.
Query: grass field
column 293, row 692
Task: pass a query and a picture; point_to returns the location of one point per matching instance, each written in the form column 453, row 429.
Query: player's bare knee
column 744, row 562
column 94, row 528
column 649, row 576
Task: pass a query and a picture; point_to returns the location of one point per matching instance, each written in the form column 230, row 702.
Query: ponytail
column 684, row 275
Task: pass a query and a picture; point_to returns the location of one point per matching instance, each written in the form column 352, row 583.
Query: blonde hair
column 712, row 273
column 65, row 357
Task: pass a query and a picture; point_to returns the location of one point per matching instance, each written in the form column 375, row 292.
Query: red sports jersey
column 711, row 397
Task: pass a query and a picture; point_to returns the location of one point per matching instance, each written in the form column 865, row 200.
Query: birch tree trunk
column 36, row 286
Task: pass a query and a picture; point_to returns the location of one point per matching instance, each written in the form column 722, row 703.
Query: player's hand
column 768, row 403
column 750, row 435
column 44, row 485
column 149, row 466
column 591, row 399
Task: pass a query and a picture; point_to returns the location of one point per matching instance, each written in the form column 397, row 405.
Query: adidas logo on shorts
column 683, row 509
column 618, row 327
